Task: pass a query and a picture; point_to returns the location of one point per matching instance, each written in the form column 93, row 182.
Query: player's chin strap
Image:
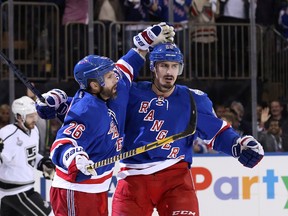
column 190, row 130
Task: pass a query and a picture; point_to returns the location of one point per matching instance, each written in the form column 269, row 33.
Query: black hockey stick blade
column 22, row 77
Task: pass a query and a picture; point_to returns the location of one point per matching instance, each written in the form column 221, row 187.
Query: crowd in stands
column 272, row 125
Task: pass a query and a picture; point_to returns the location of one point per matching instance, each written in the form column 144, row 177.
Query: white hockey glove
column 76, row 160
column 55, row 102
column 82, row 163
column 248, row 151
column 47, row 167
column 154, row 35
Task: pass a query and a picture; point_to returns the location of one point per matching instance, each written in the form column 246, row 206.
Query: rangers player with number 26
column 93, row 126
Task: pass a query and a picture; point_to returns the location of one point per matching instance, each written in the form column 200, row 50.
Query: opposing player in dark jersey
column 18, row 159
column 93, row 126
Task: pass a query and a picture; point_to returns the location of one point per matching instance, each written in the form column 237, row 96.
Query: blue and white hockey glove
column 248, row 151
column 82, row 163
column 76, row 160
column 55, row 104
column 154, row 35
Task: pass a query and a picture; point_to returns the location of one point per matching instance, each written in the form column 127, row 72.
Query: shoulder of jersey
column 142, row 85
column 197, row 91
column 9, row 127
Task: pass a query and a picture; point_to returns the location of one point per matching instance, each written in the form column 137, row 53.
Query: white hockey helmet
column 23, row 106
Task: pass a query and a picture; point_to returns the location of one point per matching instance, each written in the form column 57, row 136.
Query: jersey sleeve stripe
column 126, row 69
column 61, row 142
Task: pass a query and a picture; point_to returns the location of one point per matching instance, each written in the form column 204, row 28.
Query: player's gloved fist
column 47, row 167
column 82, row 164
column 55, row 102
column 154, row 35
column 248, row 150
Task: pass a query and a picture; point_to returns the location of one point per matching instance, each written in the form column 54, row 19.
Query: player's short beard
column 108, row 92
column 29, row 126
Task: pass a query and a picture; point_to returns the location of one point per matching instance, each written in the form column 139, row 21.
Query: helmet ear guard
column 166, row 52
column 92, row 67
column 23, row 106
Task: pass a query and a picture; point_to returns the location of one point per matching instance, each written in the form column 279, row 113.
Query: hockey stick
column 190, row 130
column 22, row 77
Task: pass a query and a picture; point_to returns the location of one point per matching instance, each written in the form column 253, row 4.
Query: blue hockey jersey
column 97, row 127
column 150, row 118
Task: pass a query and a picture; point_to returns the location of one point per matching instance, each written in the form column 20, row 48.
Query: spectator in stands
column 204, row 36
column 233, row 56
column 277, row 112
column 180, row 15
column 231, row 118
column 280, row 8
column 262, row 116
column 75, row 11
column 283, row 21
column 245, row 127
column 109, row 11
column 220, row 109
column 4, row 115
column 135, row 11
column 271, row 139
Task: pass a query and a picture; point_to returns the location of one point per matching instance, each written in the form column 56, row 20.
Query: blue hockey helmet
column 92, row 67
column 166, row 52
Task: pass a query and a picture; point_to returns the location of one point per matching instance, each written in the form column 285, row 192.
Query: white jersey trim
column 59, row 182
column 145, row 169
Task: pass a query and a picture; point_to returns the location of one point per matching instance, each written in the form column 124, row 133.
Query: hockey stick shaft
column 142, row 149
column 22, row 77
column 188, row 132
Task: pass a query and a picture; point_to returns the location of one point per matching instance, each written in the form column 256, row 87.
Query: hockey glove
column 248, row 150
column 47, row 167
column 76, row 160
column 80, row 163
column 55, row 103
column 154, row 35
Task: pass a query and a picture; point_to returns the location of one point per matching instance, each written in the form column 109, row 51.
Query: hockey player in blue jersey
column 93, row 126
column 161, row 178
